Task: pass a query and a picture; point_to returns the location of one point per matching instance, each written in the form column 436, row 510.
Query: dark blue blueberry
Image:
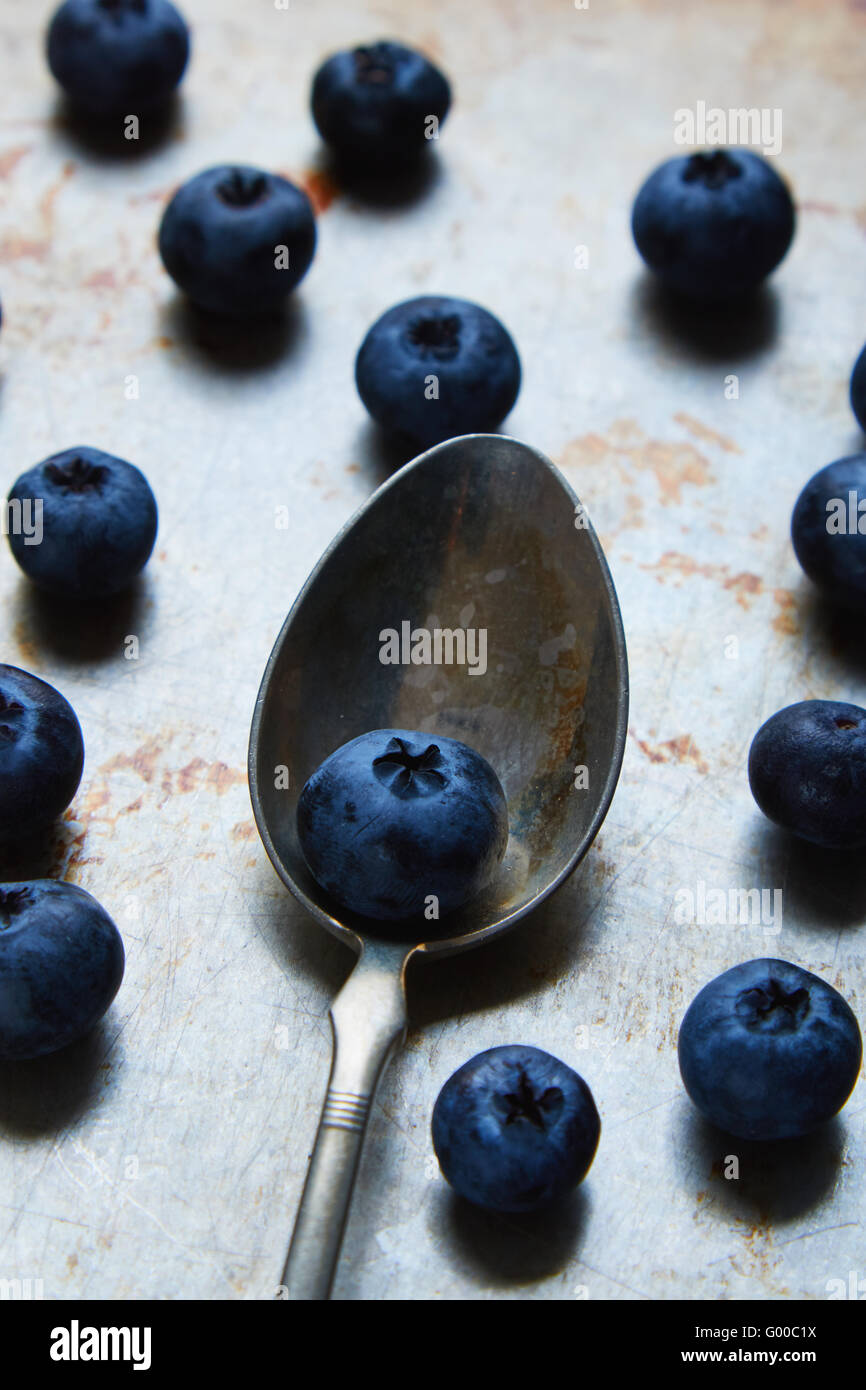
column 41, row 753
column 828, row 529
column 436, row 367
column 372, row 104
column 713, row 225
column 118, row 57
column 61, row 964
column 98, row 523
column 769, row 1051
column 238, row 240
column 858, row 389
column 515, row 1129
column 807, row 771
column 396, row 817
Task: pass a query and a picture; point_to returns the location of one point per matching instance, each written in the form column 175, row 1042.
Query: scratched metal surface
column 164, row 1157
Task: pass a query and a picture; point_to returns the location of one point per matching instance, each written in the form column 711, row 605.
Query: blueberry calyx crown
column 714, row 170
column 76, row 475
column 120, row 7
column 524, row 1104
column 373, row 65
column 844, row 723
column 772, row 1007
column 9, row 710
column 436, row 335
column 240, row 189
column 12, row 900
column 409, row 774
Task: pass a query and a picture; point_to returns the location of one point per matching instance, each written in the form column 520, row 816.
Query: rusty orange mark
column 743, row 585
column 320, row 188
column 702, row 431
column 785, row 621
column 143, row 760
column 18, row 248
column 101, row 280
column 217, row 775
column 10, row 158
column 627, row 446
column 164, row 342
column 244, row 830
column 681, row 749
column 26, row 647
column 187, row 778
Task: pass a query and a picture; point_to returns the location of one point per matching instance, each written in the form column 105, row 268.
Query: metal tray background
column 164, row 1157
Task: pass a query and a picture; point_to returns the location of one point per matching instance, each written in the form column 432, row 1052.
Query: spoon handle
column 368, row 1020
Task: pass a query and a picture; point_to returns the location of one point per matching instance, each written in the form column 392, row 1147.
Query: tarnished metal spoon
column 480, row 533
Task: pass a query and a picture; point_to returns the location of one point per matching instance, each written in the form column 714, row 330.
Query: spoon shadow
column 540, row 950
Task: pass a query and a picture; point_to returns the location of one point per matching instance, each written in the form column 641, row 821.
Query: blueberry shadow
column 104, row 139
column 507, row 1250
column 383, row 189
column 827, row 887
column 778, row 1181
column 718, row 333
column 236, row 345
column 76, row 631
column 41, row 854
column 381, row 453
column 51, row 1093
column 836, row 631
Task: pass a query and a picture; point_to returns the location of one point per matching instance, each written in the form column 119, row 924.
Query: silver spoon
column 481, row 532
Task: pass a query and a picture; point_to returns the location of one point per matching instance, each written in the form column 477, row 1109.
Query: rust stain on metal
column 681, row 749
column 702, row 431
column 10, row 158
column 785, row 621
column 143, row 760
column 744, row 585
column 320, row 188
column 673, row 463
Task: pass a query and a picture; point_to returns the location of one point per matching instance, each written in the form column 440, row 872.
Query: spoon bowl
column 480, row 535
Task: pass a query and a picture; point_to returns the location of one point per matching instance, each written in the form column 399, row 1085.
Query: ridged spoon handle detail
column 368, row 1020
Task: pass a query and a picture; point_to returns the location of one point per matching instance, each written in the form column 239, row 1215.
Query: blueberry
column 372, row 104
column 769, row 1051
column 828, row 529
column 858, row 389
column 807, row 771
column 117, row 57
column 237, row 240
column 713, row 226
column 41, row 753
column 61, row 964
column 396, row 817
column 436, row 367
column 98, row 523
column 515, row 1129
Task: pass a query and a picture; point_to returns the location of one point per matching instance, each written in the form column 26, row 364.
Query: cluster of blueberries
column 767, row 1050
